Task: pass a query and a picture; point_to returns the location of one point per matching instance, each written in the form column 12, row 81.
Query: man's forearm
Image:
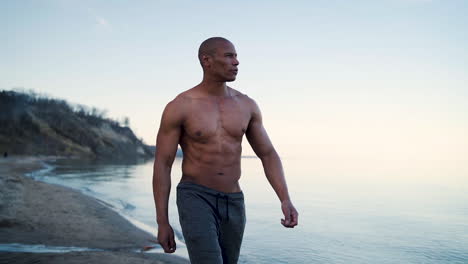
column 275, row 175
column 161, row 191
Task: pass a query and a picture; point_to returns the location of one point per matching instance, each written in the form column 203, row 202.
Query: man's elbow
column 161, row 169
column 163, row 161
column 267, row 155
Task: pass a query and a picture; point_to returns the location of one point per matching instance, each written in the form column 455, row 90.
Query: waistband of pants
column 201, row 188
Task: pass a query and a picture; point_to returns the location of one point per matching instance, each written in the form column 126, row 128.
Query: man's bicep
column 168, row 134
column 257, row 135
column 166, row 143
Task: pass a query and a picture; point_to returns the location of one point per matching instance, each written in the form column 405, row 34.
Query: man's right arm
column 166, row 148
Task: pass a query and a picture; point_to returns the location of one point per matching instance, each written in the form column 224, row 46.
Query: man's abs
column 215, row 175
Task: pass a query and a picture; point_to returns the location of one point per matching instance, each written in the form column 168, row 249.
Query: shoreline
column 37, row 213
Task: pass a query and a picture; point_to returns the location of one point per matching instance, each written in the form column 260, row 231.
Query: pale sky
column 339, row 80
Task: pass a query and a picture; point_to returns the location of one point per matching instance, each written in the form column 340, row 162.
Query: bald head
column 208, row 47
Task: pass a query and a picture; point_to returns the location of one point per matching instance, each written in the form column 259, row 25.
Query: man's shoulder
column 183, row 95
column 181, row 98
column 245, row 99
column 176, row 107
column 189, row 94
column 241, row 96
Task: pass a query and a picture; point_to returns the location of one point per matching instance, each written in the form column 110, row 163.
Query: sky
column 354, row 82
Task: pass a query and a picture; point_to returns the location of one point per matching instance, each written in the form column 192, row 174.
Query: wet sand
column 33, row 212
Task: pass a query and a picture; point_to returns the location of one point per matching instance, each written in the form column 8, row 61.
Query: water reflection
column 346, row 215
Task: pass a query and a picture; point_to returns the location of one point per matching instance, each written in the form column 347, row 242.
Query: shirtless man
column 209, row 122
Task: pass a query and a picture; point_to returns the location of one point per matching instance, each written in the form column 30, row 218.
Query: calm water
column 347, row 215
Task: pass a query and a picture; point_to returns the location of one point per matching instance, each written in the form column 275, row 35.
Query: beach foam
column 16, row 247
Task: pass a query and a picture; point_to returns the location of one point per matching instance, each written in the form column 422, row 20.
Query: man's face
column 223, row 64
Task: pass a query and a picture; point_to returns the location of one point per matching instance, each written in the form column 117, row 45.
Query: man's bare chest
column 210, row 119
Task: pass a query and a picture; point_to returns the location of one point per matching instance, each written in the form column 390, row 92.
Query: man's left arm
column 263, row 148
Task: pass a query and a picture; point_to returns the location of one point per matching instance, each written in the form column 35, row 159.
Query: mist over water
column 348, row 214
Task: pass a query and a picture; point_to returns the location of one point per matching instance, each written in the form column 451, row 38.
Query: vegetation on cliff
column 31, row 124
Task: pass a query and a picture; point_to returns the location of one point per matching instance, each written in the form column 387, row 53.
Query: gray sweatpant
column 212, row 223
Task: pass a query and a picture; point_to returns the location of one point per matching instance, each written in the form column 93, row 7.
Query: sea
column 346, row 214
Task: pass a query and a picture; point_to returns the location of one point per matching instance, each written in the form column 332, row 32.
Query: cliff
column 37, row 125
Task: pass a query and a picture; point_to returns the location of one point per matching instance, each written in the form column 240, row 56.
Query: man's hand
column 166, row 238
column 290, row 214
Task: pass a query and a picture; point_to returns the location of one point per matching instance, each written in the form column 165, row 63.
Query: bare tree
column 126, row 121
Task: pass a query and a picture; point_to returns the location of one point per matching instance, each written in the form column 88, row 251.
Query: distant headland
column 32, row 124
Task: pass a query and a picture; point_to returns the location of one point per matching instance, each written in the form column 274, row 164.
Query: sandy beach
column 36, row 213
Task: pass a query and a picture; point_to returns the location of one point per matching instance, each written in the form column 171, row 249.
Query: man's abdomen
column 219, row 171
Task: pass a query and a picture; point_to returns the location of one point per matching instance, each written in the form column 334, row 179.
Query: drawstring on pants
column 227, row 204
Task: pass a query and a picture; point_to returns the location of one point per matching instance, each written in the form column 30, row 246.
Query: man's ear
column 206, row 60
